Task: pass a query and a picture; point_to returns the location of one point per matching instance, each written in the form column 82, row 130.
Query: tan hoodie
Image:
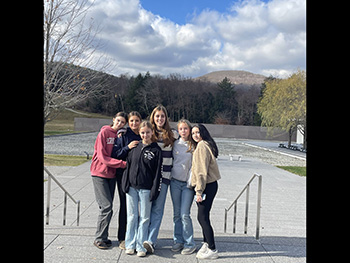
column 205, row 169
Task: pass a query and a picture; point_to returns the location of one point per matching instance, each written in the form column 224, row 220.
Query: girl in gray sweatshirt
column 181, row 193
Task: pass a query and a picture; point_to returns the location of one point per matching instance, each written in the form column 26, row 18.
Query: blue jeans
column 182, row 198
column 137, row 223
column 157, row 212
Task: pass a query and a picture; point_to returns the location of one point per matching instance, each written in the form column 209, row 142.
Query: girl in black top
column 141, row 183
column 122, row 146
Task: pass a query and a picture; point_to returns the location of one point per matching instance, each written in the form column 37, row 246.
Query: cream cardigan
column 205, row 169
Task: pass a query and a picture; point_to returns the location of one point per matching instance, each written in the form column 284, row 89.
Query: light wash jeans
column 182, row 198
column 137, row 222
column 157, row 212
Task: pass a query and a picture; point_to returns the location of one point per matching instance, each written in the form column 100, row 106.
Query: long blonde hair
column 191, row 143
column 167, row 134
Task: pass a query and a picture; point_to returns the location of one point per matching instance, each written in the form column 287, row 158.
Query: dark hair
column 135, row 113
column 120, row 114
column 206, row 137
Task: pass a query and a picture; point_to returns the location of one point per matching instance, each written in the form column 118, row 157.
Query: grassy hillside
column 64, row 123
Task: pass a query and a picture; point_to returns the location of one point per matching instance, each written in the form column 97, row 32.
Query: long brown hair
column 167, row 134
column 135, row 113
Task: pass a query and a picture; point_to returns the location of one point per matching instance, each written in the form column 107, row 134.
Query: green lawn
column 64, row 122
column 63, row 160
column 299, row 170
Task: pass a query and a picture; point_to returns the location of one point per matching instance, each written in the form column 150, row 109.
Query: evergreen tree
column 133, row 99
column 225, row 104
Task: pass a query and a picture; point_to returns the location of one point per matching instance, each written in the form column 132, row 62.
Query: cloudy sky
column 195, row 37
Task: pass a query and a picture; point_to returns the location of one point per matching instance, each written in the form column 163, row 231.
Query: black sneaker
column 101, row 244
column 148, row 246
column 108, row 243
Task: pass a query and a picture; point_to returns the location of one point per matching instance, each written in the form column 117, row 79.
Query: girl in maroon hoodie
column 103, row 169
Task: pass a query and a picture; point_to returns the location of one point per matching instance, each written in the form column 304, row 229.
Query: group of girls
column 145, row 160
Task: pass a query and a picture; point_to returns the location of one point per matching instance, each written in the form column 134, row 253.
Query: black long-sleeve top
column 143, row 170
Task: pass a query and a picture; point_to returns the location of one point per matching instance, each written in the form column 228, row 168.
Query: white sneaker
column 188, row 250
column 130, row 251
column 208, row 254
column 141, row 253
column 203, row 248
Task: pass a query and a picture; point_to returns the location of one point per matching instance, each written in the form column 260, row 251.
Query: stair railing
column 234, row 204
column 77, row 202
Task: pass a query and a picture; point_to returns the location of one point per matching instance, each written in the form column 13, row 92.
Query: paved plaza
column 282, row 228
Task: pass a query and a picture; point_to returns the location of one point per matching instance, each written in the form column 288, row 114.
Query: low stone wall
column 246, row 132
column 90, row 124
column 216, row 130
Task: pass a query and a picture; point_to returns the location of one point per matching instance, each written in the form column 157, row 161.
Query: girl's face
column 159, row 119
column 146, row 135
column 134, row 123
column 118, row 123
column 196, row 136
column 184, row 131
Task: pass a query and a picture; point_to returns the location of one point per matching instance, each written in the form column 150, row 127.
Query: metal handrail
column 77, row 202
column 234, row 203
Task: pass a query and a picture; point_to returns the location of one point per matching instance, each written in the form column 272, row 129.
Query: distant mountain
column 236, row 77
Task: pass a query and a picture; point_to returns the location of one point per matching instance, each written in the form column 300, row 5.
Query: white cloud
column 254, row 36
column 288, row 16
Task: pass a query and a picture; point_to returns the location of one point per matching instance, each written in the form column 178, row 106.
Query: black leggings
column 203, row 215
column 122, row 208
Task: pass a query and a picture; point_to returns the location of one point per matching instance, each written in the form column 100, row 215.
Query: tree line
column 197, row 100
column 275, row 103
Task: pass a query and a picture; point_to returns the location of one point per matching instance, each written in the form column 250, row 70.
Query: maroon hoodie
column 103, row 165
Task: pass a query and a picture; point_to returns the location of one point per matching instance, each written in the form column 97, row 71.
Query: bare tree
column 70, row 51
column 246, row 104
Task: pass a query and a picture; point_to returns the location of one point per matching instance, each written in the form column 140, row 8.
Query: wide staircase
column 70, row 216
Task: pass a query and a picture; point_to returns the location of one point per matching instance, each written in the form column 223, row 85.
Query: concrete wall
column 90, row 124
column 216, row 130
column 246, row 132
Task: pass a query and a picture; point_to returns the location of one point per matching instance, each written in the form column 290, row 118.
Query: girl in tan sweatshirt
column 205, row 173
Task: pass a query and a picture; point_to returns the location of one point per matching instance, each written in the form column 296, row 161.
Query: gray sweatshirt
column 182, row 161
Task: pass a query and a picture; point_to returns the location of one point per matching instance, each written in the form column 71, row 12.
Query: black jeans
column 122, row 207
column 203, row 215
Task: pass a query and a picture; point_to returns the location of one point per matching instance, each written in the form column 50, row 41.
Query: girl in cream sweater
column 205, row 173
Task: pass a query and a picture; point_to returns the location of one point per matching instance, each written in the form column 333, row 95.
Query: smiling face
column 118, row 123
column 146, row 135
column 159, row 119
column 134, row 124
column 184, row 131
column 196, row 136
